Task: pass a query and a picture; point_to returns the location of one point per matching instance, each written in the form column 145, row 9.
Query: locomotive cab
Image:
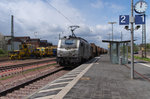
column 72, row 50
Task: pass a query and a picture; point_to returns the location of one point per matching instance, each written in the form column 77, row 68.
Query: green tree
column 1, row 51
column 136, row 48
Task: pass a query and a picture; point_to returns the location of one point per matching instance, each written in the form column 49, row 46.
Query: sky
column 46, row 19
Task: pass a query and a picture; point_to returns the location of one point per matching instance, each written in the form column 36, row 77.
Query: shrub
column 1, row 51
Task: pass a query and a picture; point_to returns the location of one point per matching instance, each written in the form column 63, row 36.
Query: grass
column 27, row 71
column 3, row 55
column 35, row 69
column 140, row 58
column 7, row 77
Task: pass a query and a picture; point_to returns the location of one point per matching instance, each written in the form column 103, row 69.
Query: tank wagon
column 94, row 50
column 73, row 50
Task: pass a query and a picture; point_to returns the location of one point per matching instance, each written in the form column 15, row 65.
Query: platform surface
column 97, row 80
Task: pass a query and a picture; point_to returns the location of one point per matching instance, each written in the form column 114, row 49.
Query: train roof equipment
column 73, row 28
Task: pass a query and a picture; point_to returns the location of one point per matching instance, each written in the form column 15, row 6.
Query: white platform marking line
column 66, row 78
column 47, row 90
column 71, row 75
column 144, row 64
column 58, row 83
column 63, row 79
column 77, row 70
column 46, row 97
column 66, row 89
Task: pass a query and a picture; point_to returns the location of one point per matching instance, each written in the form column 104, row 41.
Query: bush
column 1, row 51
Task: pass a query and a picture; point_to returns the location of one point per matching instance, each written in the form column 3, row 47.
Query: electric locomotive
column 73, row 50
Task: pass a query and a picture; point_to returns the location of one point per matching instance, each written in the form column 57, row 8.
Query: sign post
column 138, row 19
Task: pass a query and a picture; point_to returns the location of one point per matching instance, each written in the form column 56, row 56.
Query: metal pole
column 121, row 35
column 109, row 36
column 112, row 28
column 132, row 42
column 145, row 40
column 59, row 36
column 112, row 32
column 12, row 33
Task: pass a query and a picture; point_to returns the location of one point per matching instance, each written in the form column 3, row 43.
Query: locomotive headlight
column 59, row 53
column 75, row 53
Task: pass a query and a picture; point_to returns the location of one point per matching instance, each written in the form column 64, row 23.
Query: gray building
column 17, row 42
column 2, row 42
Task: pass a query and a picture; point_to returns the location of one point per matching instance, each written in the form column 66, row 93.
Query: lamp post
column 132, row 42
column 132, row 37
column 121, row 35
column 35, row 34
column 112, row 27
column 60, row 35
column 109, row 36
column 132, row 46
column 12, row 33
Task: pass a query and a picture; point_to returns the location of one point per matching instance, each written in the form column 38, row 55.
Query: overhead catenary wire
column 59, row 11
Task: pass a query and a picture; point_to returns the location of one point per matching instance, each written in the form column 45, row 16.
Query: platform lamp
column 112, row 23
column 136, row 28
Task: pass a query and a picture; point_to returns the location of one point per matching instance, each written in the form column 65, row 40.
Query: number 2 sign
column 124, row 20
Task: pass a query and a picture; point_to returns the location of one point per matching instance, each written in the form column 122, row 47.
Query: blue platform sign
column 124, row 20
column 139, row 19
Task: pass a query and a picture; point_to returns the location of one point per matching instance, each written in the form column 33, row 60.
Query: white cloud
column 107, row 5
column 103, row 27
column 32, row 16
column 97, row 4
column 38, row 16
column 94, row 34
column 116, row 7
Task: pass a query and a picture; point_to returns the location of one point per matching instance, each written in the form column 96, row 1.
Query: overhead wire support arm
column 73, row 28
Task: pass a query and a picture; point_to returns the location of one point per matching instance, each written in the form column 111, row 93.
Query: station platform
column 98, row 79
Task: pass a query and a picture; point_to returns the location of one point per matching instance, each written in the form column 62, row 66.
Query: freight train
column 75, row 50
column 29, row 51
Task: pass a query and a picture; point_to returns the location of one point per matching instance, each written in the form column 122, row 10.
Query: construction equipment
column 25, row 51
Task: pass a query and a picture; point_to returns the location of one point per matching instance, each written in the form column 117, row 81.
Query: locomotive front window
column 69, row 43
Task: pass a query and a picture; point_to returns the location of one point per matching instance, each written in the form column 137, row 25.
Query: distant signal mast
column 12, row 33
column 73, row 28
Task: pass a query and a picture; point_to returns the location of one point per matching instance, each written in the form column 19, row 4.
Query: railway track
column 30, row 85
column 13, row 62
column 6, row 67
column 5, row 59
column 10, row 74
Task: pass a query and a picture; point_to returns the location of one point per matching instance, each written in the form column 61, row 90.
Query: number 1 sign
column 124, row 20
column 139, row 19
